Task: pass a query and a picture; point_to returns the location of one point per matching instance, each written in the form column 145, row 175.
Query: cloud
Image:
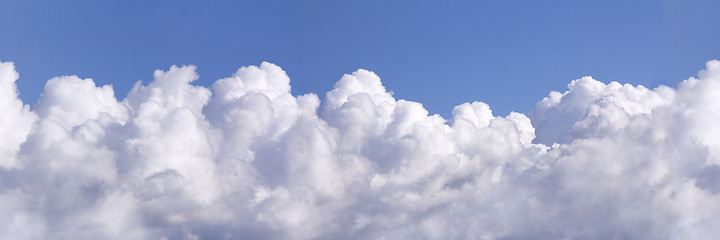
column 247, row 159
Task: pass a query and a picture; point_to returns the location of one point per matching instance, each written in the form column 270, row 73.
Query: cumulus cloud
column 245, row 158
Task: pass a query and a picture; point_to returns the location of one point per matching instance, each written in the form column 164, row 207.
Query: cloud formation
column 246, row 159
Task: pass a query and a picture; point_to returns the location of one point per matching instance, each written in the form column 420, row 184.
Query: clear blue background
column 508, row 54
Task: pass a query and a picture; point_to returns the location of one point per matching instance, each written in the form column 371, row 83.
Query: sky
column 372, row 120
column 468, row 51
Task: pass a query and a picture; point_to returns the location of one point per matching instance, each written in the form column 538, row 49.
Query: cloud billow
column 245, row 158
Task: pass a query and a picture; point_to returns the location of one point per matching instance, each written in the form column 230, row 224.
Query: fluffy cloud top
column 245, row 159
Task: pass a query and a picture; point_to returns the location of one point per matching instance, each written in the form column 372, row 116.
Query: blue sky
column 508, row 55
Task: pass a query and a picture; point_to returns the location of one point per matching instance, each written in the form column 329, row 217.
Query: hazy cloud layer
column 246, row 159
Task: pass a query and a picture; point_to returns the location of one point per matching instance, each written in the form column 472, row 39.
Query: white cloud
column 246, row 159
column 17, row 119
